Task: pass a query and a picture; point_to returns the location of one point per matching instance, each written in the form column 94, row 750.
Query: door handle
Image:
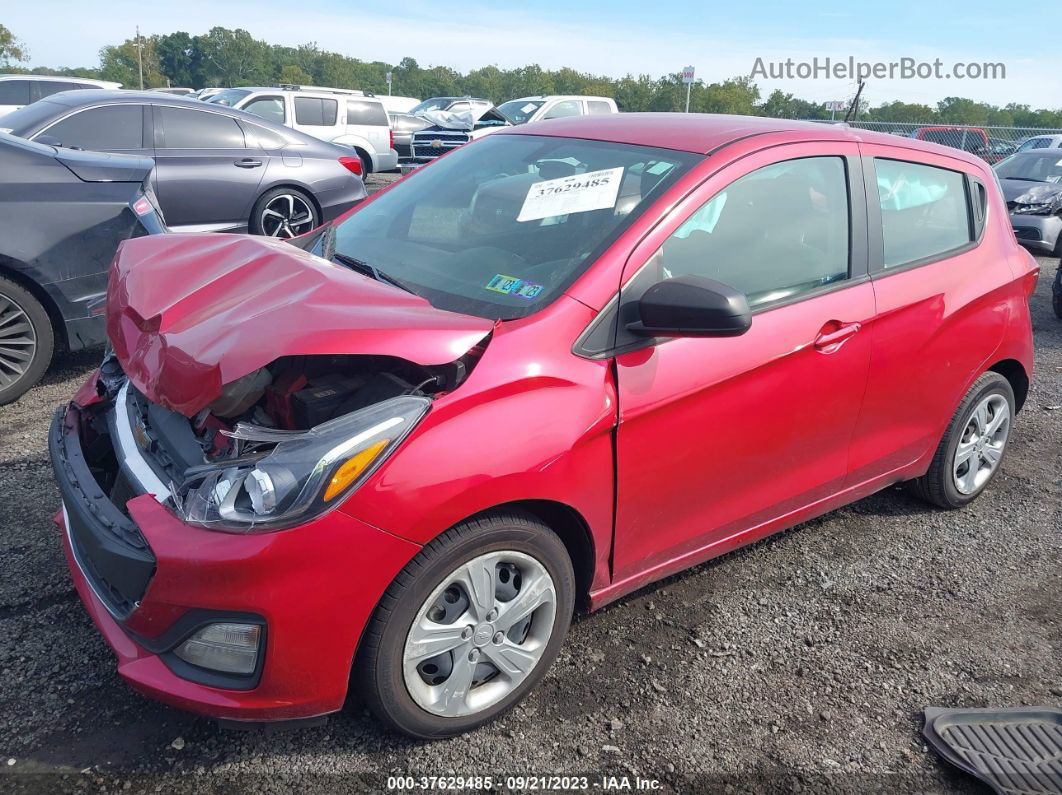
column 832, row 340
column 248, row 162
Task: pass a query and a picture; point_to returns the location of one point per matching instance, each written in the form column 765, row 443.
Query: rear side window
column 268, row 108
column 924, row 211
column 363, row 112
column 315, row 112
column 774, row 234
column 101, row 129
column 597, row 107
column 14, row 92
column 197, row 129
column 45, row 88
column 567, row 107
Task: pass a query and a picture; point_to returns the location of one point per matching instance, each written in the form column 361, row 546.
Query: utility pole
column 140, row 56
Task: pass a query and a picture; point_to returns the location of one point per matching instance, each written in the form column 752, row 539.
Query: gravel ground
column 799, row 664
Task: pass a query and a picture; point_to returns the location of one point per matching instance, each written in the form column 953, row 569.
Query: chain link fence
column 990, row 143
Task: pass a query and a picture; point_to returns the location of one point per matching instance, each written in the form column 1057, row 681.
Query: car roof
column 703, row 133
column 306, row 92
column 547, row 97
column 60, row 78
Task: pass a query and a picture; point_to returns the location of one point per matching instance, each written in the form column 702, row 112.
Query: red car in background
column 560, row 363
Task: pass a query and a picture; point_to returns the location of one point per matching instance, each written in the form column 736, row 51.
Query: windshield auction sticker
column 580, row 193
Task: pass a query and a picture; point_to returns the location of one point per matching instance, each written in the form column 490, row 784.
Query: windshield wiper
column 361, row 266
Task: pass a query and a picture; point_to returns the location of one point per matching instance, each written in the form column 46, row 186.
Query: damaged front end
column 230, row 396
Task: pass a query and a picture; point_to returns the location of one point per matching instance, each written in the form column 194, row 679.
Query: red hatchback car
column 555, row 365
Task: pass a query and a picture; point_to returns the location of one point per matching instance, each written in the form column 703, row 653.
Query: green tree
column 121, row 63
column 179, row 59
column 11, row 49
column 235, row 58
column 293, row 74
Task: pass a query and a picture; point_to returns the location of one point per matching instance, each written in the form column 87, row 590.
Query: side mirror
column 691, row 306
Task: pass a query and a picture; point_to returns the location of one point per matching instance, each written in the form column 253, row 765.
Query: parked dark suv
column 216, row 169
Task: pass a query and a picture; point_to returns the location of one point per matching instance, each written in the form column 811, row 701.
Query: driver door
column 720, row 439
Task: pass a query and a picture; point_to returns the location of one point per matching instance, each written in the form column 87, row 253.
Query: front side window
column 229, row 97
column 196, row 129
column 568, row 107
column 776, row 233
column 109, row 128
column 501, row 227
column 361, row 111
column 316, row 112
column 268, row 108
column 14, row 92
column 924, row 211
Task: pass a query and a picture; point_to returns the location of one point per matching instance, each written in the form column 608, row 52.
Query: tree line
column 224, row 57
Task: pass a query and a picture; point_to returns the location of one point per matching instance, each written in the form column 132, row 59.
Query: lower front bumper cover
column 315, row 587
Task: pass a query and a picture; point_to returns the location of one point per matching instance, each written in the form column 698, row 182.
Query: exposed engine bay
column 277, row 444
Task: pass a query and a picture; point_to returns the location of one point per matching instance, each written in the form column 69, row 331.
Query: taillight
column 143, row 207
column 391, row 139
column 353, row 165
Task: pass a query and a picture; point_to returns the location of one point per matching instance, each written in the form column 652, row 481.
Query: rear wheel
column 971, row 452
column 284, row 213
column 468, row 627
column 26, row 341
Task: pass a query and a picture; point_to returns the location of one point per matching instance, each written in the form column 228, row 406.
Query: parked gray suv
column 216, row 169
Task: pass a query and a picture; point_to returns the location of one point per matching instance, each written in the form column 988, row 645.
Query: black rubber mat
column 1015, row 751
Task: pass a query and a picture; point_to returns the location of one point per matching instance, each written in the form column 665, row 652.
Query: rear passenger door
column 206, row 172
column 939, row 314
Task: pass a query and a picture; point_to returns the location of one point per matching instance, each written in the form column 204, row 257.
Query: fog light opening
column 226, row 647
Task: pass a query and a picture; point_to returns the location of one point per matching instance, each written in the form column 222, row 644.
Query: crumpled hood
column 1022, row 192
column 189, row 313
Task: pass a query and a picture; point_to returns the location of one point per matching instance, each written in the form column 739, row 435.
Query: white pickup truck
column 556, row 106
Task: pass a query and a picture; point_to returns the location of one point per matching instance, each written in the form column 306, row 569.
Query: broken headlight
column 305, row 474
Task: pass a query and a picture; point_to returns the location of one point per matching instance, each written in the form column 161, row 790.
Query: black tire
column 22, row 317
column 937, row 486
column 378, row 670
column 366, row 164
column 260, row 224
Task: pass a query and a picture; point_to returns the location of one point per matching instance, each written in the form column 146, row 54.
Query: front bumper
column 1038, row 233
column 313, row 587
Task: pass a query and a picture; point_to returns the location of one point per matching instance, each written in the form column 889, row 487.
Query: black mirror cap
column 692, row 306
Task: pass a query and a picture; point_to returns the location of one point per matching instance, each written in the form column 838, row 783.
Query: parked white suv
column 341, row 116
column 19, row 90
column 521, row 111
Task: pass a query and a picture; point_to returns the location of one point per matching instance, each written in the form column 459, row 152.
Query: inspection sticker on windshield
column 580, row 193
column 511, row 285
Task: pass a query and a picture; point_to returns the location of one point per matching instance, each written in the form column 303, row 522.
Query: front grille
column 425, row 148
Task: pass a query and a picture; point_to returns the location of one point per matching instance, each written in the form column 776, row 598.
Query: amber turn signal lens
column 352, row 469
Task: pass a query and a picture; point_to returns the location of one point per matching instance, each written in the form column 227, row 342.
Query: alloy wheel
column 981, row 444
column 287, row 215
column 479, row 634
column 18, row 342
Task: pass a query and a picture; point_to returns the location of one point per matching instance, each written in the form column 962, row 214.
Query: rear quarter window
column 365, row 112
column 925, row 211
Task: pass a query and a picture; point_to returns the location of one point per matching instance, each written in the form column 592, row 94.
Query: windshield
column 1036, row 168
column 500, row 227
column 229, row 97
column 438, row 103
column 520, row 111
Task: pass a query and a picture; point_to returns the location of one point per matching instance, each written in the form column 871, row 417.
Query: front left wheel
column 468, row 627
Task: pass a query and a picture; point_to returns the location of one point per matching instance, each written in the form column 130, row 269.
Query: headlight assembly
column 304, row 475
column 1041, row 208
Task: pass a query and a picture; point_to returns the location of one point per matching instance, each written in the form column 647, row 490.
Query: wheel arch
column 570, row 527
column 1015, row 373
